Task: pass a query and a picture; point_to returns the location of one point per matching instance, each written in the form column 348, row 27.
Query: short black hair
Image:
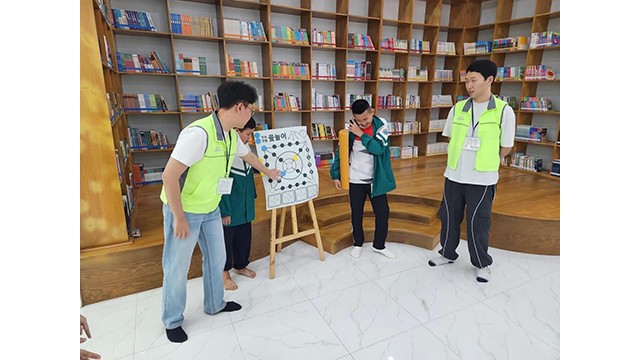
column 251, row 124
column 233, row 92
column 359, row 106
column 485, row 67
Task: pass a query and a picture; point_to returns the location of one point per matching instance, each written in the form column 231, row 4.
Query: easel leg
column 281, row 228
column 312, row 210
column 272, row 247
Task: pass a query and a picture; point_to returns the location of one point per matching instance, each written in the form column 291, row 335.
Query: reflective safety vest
column 199, row 190
column 489, row 130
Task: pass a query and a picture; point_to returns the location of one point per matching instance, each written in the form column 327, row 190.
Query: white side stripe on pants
column 473, row 232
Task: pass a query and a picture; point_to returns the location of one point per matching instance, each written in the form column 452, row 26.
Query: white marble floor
column 352, row 309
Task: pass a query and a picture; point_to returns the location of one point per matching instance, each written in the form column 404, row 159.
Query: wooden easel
column 295, row 235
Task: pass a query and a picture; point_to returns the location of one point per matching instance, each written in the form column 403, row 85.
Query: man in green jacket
column 370, row 175
column 238, row 211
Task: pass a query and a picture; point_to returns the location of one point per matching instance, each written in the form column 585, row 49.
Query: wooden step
column 330, row 214
column 338, row 236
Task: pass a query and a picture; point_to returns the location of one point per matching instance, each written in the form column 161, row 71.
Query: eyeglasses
column 253, row 111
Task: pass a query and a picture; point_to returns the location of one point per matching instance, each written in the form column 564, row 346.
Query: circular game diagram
column 293, row 160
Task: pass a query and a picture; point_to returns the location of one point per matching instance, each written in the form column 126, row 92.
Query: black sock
column 231, row 306
column 177, row 335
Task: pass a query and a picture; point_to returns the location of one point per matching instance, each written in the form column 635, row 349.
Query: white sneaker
column 386, row 252
column 356, row 252
column 440, row 260
column 483, row 275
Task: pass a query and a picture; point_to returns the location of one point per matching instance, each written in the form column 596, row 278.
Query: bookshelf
column 441, row 21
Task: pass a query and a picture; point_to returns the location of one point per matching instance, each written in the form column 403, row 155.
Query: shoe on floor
column 440, row 260
column 483, row 275
column 356, row 252
column 386, row 252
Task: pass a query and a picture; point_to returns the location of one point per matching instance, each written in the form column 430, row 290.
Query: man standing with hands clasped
column 482, row 131
column 195, row 178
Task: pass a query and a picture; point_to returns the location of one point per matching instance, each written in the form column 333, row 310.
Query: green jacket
column 240, row 204
column 378, row 146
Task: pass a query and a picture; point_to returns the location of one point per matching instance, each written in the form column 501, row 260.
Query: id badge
column 224, row 185
column 471, row 143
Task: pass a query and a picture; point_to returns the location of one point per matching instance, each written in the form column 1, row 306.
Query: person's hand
column 84, row 328
column 355, row 129
column 226, row 220
column 180, row 227
column 273, row 174
column 86, row 355
column 338, row 184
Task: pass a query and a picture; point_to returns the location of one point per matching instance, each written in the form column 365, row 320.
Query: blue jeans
column 206, row 230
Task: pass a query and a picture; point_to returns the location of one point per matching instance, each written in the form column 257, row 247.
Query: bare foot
column 228, row 283
column 246, row 272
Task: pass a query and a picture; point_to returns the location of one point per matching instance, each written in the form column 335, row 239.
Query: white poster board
column 288, row 150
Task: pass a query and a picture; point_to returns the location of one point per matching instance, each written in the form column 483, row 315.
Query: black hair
column 485, row 67
column 359, row 106
column 233, row 92
column 251, row 124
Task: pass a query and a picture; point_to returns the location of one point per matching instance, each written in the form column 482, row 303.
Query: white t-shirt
column 361, row 168
column 192, row 143
column 465, row 172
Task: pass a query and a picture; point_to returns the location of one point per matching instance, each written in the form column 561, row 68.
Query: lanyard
column 473, row 123
column 227, row 148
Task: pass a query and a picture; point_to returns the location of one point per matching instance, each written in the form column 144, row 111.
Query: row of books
column 199, row 103
column 437, row 148
column 539, row 72
column 358, row 70
column 147, row 139
column 147, row 175
column 144, row 103
column 525, row 162
column 246, row 30
column 477, row 48
column 512, row 43
column 389, row 74
column 436, row 125
column 405, row 152
column 443, row 75
column 407, row 127
column 106, row 51
column 289, row 35
column 359, row 41
column 389, row 102
column 538, row 39
column 241, row 68
column 395, row 45
column 323, row 38
column 511, row 100
column 543, row 39
column 285, row 70
column 191, row 65
column 416, row 73
column 320, row 131
column 353, row 97
column 324, row 159
column 132, row 20
column 324, row 102
column 114, row 102
column 286, row 102
column 412, row 101
column 555, row 167
column 531, row 133
column 510, row 73
column 441, row 100
column 128, row 203
column 138, row 63
column 535, row 103
column 323, row 71
column 191, row 25
column 446, row 48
